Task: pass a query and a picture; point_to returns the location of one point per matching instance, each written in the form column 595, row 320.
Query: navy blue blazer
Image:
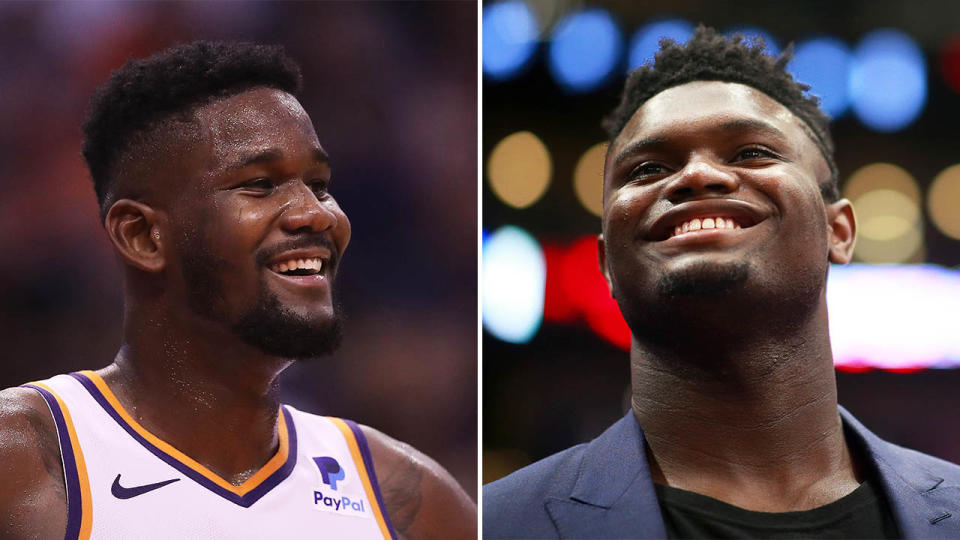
column 603, row 489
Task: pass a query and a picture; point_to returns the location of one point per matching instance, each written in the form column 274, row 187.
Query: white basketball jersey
column 124, row 482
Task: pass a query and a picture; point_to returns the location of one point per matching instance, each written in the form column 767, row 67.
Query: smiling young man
column 721, row 215
column 215, row 193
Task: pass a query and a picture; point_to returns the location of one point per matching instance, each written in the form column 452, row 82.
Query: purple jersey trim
column 245, row 500
column 72, row 479
column 368, row 464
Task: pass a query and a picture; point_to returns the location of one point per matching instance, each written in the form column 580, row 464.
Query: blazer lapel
column 924, row 505
column 613, row 496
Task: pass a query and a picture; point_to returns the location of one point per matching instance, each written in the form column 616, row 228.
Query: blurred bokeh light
column 584, row 49
column 513, row 278
column 943, row 201
column 509, row 38
column 519, row 169
column 588, row 178
column 824, row 64
column 888, row 80
column 886, row 200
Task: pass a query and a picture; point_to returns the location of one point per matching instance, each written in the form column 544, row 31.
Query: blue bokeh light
column 645, row 42
column 509, row 38
column 585, row 48
column 513, row 273
column 751, row 32
column 888, row 80
column 824, row 64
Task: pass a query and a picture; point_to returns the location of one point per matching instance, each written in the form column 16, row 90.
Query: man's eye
column 647, row 169
column 259, row 184
column 753, row 153
column 320, row 187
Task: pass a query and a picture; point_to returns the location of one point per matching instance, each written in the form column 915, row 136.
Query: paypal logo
column 330, row 471
column 339, row 504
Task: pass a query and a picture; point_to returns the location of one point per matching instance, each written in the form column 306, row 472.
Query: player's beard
column 702, row 279
column 280, row 332
column 267, row 325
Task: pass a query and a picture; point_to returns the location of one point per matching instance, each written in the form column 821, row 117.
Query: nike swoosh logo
column 121, row 492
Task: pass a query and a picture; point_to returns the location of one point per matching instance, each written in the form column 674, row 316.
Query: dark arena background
column 555, row 361
column 391, row 88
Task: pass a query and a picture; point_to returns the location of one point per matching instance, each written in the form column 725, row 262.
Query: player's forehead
column 702, row 105
column 259, row 118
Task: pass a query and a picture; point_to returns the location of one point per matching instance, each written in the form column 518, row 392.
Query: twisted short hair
column 710, row 56
column 143, row 94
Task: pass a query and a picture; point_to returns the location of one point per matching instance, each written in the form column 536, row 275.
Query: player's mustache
column 304, row 241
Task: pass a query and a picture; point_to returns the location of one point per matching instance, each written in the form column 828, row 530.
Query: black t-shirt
column 863, row 513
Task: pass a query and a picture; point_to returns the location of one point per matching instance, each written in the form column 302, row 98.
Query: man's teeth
column 314, row 265
column 697, row 224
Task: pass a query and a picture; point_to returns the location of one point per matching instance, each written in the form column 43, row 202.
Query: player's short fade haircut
column 143, row 93
column 710, row 56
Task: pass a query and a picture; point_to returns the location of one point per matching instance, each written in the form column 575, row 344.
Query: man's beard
column 267, row 326
column 280, row 332
column 702, row 279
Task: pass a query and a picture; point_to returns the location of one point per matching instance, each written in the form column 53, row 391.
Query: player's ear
column 134, row 230
column 843, row 231
column 602, row 253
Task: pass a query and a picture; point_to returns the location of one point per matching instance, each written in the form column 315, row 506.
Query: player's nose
column 303, row 210
column 699, row 176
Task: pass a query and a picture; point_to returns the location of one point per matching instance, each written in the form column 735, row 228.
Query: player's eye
column 259, row 185
column 647, row 169
column 753, row 152
column 320, row 188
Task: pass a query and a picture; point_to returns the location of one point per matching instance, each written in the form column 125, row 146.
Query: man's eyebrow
column 638, row 147
column 738, row 125
column 274, row 154
column 729, row 127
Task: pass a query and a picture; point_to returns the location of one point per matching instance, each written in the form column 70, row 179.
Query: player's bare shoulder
column 33, row 497
column 421, row 498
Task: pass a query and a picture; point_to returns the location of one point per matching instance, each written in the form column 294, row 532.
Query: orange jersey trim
column 364, row 474
column 277, row 461
column 86, row 511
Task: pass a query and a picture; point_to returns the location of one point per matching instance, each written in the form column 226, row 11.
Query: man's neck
column 204, row 392
column 752, row 422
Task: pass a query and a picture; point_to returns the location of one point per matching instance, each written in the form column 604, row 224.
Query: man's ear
column 135, row 231
column 602, row 253
column 843, row 231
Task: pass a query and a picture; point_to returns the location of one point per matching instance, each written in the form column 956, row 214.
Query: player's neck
column 753, row 423
column 199, row 393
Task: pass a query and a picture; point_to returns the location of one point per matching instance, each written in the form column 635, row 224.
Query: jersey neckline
column 250, row 491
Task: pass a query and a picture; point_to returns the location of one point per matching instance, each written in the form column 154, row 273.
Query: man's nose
column 700, row 176
column 303, row 211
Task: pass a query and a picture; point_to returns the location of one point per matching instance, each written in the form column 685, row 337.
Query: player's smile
column 309, row 268
column 717, row 222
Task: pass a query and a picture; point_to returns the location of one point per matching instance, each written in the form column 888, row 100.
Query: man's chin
column 703, row 279
column 285, row 335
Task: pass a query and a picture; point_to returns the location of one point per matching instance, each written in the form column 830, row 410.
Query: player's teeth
column 283, row 267
column 677, row 230
column 695, row 224
column 707, row 223
column 720, row 223
column 686, row 226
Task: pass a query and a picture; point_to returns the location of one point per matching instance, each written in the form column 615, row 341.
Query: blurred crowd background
column 555, row 361
column 391, row 88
